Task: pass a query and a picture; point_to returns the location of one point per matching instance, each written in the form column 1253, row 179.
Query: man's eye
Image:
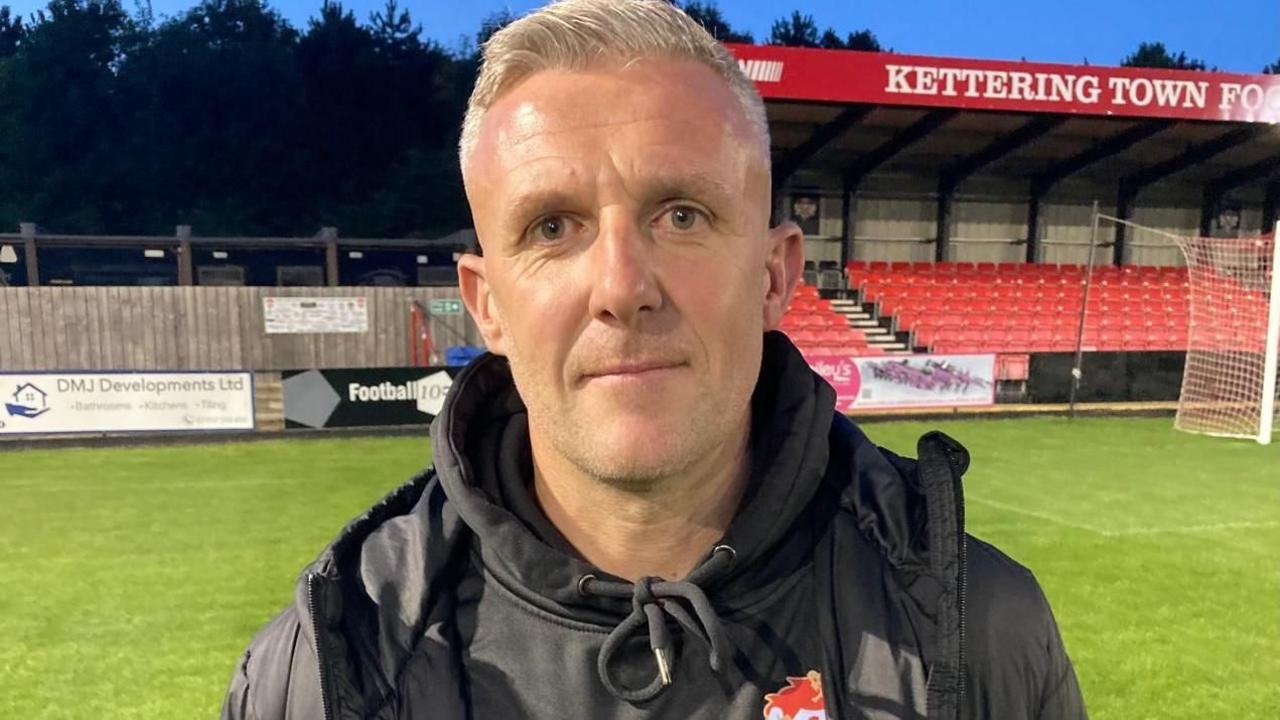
column 683, row 217
column 551, row 229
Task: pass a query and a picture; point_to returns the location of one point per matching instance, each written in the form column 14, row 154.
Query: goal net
column 1229, row 385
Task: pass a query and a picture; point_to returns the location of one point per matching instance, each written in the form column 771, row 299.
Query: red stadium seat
column 831, row 337
column 947, row 334
column 1035, row 306
column 1111, row 338
column 1019, row 337
column 1042, row 336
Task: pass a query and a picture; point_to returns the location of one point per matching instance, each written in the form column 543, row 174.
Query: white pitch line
column 1214, row 527
column 147, row 485
column 1128, row 532
column 1032, row 513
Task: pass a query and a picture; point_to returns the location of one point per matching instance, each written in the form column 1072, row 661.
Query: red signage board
column 846, row 76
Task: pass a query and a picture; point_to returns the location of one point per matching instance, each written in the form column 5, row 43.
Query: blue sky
column 1242, row 39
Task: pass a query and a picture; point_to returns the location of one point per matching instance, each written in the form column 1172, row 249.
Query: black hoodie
column 845, row 587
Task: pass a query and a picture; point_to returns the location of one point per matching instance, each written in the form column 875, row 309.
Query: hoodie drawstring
column 652, row 600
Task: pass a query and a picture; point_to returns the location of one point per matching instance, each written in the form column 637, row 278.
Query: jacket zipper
column 962, row 580
column 315, row 629
column 961, row 593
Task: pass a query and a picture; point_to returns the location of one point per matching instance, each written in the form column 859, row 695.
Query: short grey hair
column 576, row 34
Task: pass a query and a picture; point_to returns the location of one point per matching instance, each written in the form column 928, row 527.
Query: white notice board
column 282, row 315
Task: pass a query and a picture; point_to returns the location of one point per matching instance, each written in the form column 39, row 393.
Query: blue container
column 459, row 355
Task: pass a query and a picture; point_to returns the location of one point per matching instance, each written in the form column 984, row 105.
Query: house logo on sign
column 29, row 401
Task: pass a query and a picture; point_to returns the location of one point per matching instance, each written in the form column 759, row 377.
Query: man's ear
column 784, row 268
column 478, row 297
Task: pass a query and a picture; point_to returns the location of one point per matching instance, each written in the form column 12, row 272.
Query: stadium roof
column 845, row 110
column 848, row 114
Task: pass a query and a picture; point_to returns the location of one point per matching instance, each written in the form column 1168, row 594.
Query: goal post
column 1271, row 366
column 1229, row 384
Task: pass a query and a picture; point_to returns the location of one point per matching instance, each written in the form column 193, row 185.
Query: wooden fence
column 205, row 328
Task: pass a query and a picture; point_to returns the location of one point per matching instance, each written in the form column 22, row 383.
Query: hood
column 366, row 601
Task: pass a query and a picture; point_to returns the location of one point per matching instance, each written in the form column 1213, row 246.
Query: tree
column 218, row 122
column 708, row 15
column 861, row 40
column 11, row 32
column 1156, row 55
column 343, row 80
column 796, row 30
column 227, row 118
column 61, row 123
column 395, row 31
column 492, row 24
column 799, row 30
column 1272, row 69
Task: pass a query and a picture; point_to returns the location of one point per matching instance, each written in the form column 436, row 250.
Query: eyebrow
column 694, row 185
column 660, row 186
column 537, row 202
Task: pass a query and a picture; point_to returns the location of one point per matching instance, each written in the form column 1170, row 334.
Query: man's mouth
column 638, row 370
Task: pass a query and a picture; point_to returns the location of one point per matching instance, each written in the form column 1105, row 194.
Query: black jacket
column 846, row 581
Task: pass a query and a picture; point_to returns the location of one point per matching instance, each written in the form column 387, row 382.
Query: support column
column 330, row 237
column 942, row 236
column 779, row 211
column 186, row 263
column 849, row 226
column 1124, row 210
column 1033, row 222
column 1269, row 206
column 1208, row 205
column 28, row 231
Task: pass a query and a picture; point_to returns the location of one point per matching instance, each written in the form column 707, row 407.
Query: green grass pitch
column 131, row 578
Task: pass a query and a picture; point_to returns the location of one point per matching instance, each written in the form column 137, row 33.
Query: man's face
column 1229, row 219
column 628, row 272
column 805, row 208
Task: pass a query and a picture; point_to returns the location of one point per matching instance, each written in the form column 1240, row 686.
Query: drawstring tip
column 664, row 668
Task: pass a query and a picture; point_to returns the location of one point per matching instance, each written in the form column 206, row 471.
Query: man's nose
column 623, row 283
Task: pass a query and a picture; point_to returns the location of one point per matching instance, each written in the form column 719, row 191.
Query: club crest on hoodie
column 801, row 699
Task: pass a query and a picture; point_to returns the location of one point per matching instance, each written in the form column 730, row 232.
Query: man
column 804, row 213
column 642, row 503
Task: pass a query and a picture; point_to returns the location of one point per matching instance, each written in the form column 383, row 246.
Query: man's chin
column 642, row 451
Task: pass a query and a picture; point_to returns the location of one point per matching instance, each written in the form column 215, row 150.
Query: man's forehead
column 666, row 105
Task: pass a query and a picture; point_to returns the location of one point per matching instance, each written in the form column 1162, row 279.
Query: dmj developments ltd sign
column 42, row 403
